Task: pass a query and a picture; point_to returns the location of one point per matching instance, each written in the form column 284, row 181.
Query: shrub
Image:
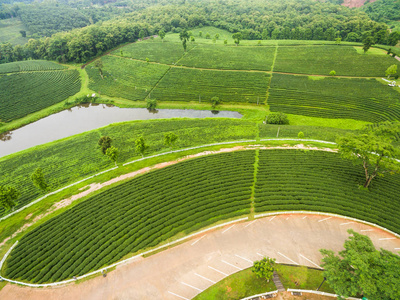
column 215, row 101
column 332, row 73
column 300, row 135
column 277, row 118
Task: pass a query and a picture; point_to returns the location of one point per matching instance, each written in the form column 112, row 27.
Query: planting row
column 29, row 65
column 133, row 216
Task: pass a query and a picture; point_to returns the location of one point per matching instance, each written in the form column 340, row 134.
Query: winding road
column 185, row 270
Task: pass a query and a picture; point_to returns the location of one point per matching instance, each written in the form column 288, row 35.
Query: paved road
column 185, row 270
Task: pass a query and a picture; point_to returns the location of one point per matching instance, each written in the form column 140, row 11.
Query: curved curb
column 317, row 293
column 148, row 157
column 115, row 264
column 326, row 214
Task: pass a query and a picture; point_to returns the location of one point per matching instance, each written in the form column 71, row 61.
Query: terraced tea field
column 187, row 196
column 320, row 60
column 322, row 181
column 25, row 93
column 135, row 215
column 62, row 161
column 230, row 57
column 356, row 98
column 29, row 65
column 181, row 84
column 125, row 78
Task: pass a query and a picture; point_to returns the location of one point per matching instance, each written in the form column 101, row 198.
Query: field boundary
column 117, row 263
column 152, row 156
column 293, row 212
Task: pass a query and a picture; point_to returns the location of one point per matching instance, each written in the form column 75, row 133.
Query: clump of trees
column 38, row 180
column 141, row 146
column 151, row 104
column 8, row 197
column 104, row 143
column 170, row 139
column 361, row 270
column 277, row 118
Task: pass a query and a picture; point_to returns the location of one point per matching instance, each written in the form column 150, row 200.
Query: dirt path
column 97, row 186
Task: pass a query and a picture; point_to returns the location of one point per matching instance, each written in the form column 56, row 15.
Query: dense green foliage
column 361, row 99
column 383, row 10
column 277, row 118
column 62, row 161
column 25, row 93
column 125, row 78
column 181, row 84
column 29, row 65
column 286, row 19
column 322, row 181
column 135, row 215
column 361, row 270
column 345, row 60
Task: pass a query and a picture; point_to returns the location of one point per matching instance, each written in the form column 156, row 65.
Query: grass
column 361, row 99
column 181, row 84
column 229, row 57
column 10, row 31
column 155, row 50
column 323, row 59
column 125, row 78
column 244, row 283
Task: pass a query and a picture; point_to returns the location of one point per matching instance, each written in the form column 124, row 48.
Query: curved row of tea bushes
column 135, row 215
column 322, row 181
column 29, row 65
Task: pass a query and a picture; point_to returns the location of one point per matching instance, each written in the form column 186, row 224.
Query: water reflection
column 90, row 116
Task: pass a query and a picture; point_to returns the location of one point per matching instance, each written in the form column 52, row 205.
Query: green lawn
column 367, row 100
column 125, row 78
column 229, row 57
column 181, row 84
column 321, row 60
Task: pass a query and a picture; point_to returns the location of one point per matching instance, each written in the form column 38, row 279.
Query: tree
column 192, row 39
column 368, row 41
column 216, row 36
column 141, row 34
column 99, row 65
column 147, row 60
column 184, row 36
column 23, row 33
column 215, row 101
column 112, row 154
column 237, row 37
column 300, row 135
column 332, row 73
column 140, row 145
column 373, row 149
column 8, row 197
column 170, row 139
column 161, row 34
column 200, row 33
column 151, row 104
column 338, row 40
column 38, row 179
column 361, row 270
column 277, row 118
column 264, row 268
column 208, row 36
column 392, row 70
column 104, row 143
column 225, row 42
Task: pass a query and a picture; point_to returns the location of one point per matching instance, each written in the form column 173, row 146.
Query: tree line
column 286, row 19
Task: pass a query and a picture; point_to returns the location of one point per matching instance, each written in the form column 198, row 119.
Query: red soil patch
column 355, row 3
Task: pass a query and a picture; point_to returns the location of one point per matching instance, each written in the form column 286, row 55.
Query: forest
column 255, row 20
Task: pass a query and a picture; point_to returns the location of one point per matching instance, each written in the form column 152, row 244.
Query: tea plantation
column 135, row 215
column 29, row 65
column 25, row 93
column 151, row 208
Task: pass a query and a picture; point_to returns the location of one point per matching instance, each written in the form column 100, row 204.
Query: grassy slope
column 9, row 32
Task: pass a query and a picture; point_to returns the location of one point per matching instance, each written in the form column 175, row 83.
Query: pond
column 88, row 117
